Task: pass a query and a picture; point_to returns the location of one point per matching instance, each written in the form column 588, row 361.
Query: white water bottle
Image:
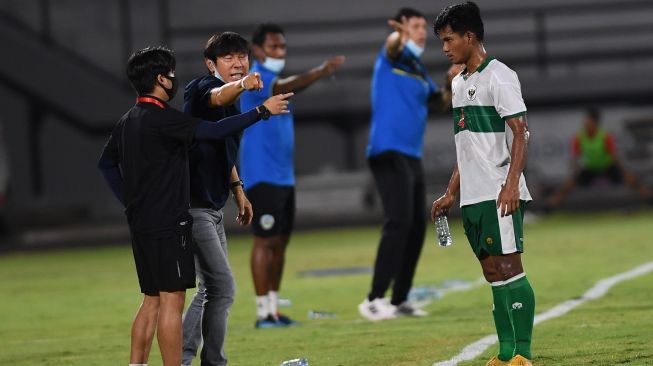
column 442, row 231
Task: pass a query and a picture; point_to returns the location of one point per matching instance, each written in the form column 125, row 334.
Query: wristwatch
column 238, row 183
column 263, row 112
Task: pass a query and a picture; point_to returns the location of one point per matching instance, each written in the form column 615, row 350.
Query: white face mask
column 414, row 48
column 274, row 64
column 217, row 75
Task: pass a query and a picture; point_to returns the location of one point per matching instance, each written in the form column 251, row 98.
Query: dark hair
column 593, row 113
column 408, row 13
column 261, row 30
column 461, row 18
column 223, row 44
column 144, row 65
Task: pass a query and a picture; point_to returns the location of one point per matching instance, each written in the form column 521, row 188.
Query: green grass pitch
column 75, row 307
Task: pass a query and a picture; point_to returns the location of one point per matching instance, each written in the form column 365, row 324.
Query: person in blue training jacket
column 401, row 93
column 266, row 165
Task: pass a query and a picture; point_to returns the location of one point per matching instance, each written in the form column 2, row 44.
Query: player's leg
column 278, row 261
column 286, row 221
column 214, row 272
column 267, row 202
column 501, row 313
column 286, row 224
column 618, row 175
column 473, row 218
column 169, row 333
column 145, row 253
column 142, row 331
column 280, row 243
column 514, row 300
column 260, row 266
column 404, row 278
column 502, row 239
column 175, row 274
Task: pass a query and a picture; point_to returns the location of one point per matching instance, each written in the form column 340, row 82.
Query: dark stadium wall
column 591, row 47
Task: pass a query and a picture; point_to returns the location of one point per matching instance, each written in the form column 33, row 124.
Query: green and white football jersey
column 482, row 102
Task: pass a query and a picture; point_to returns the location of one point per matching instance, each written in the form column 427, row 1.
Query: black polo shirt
column 211, row 161
column 151, row 142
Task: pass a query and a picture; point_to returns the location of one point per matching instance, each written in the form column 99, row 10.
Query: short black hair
column 225, row 43
column 144, row 65
column 593, row 113
column 261, row 30
column 408, row 13
column 461, row 18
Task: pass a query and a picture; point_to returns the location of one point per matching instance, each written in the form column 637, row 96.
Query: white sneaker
column 406, row 309
column 377, row 309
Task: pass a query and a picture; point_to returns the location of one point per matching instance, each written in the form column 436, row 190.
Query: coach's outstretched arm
column 395, row 42
column 295, row 83
column 218, row 130
column 229, row 92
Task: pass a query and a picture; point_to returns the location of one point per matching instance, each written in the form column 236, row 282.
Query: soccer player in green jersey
column 491, row 135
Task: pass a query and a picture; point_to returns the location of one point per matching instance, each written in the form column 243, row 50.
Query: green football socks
column 503, row 322
column 522, row 307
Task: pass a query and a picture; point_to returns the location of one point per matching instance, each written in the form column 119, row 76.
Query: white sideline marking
column 475, row 349
column 460, row 287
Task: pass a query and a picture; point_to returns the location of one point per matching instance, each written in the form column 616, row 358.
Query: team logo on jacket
column 267, row 221
column 471, row 93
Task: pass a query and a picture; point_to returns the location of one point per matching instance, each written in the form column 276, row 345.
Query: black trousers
column 400, row 181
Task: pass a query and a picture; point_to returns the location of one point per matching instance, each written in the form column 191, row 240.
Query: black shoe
column 283, row 319
column 268, row 322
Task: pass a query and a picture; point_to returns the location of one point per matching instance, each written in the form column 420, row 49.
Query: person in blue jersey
column 213, row 176
column 401, row 93
column 266, row 165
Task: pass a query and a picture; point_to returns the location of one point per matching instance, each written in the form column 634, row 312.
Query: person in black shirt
column 145, row 162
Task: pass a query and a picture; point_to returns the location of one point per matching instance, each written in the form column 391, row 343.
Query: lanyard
column 150, row 100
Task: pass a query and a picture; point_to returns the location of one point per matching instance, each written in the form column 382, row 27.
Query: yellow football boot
column 519, row 360
column 495, row 361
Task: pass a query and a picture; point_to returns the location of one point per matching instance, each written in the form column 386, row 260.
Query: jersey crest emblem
column 471, row 93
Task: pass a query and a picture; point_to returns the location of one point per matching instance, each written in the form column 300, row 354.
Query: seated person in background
column 594, row 156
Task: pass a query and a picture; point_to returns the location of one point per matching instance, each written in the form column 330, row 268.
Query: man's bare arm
column 508, row 200
column 298, row 82
column 395, row 42
column 446, row 201
column 229, row 92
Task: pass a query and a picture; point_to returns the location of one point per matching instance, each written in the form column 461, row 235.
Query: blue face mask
column 414, row 48
column 274, row 64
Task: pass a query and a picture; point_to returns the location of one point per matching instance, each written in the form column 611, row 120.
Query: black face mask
column 172, row 91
